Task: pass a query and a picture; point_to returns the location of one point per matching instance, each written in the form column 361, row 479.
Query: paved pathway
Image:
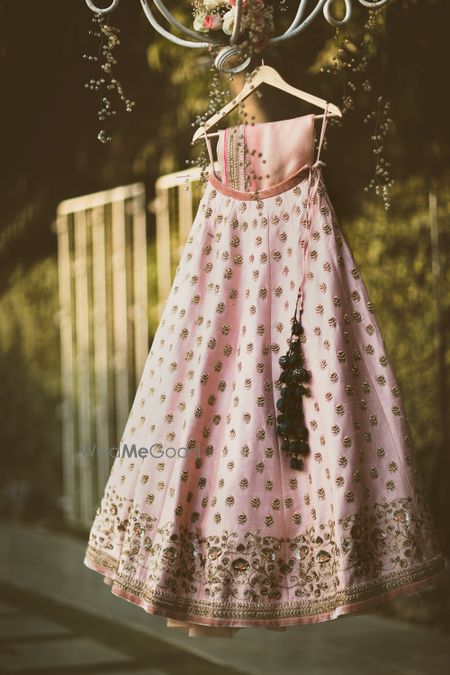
column 57, row 617
column 40, row 637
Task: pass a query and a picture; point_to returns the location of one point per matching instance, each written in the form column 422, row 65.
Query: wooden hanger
column 264, row 75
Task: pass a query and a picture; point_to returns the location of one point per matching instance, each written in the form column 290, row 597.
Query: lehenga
column 202, row 520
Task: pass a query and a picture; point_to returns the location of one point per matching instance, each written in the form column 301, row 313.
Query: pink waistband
column 284, row 185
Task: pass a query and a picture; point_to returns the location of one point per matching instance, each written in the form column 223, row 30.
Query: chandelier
column 307, row 12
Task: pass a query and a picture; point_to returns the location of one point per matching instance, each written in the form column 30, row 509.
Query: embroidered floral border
column 382, row 547
column 191, row 607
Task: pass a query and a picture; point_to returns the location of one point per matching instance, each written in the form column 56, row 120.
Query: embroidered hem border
column 353, row 599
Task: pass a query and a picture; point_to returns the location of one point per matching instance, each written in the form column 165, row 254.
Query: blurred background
column 91, row 233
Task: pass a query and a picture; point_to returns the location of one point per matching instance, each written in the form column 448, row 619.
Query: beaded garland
column 290, row 419
column 108, row 37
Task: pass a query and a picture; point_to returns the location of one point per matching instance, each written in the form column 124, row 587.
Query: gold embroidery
column 247, row 576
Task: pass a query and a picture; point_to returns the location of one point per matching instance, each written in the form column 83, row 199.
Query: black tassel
column 290, row 418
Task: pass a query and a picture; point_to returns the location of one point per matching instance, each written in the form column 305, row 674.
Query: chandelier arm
column 165, row 33
column 176, row 24
column 338, row 22
column 298, row 17
column 99, row 10
column 237, row 22
column 372, row 4
column 199, row 43
column 225, row 55
column 304, row 24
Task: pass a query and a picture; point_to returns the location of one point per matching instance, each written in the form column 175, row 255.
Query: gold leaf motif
column 245, row 451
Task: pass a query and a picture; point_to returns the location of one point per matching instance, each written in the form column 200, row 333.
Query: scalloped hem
column 199, row 625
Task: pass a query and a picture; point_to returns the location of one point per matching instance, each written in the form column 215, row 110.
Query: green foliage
column 30, row 389
column 394, row 254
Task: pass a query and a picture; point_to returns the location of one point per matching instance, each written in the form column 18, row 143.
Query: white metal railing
column 176, row 197
column 104, row 318
column 102, row 269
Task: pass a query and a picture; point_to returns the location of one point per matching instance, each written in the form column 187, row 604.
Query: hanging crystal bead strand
column 290, row 418
column 108, row 37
